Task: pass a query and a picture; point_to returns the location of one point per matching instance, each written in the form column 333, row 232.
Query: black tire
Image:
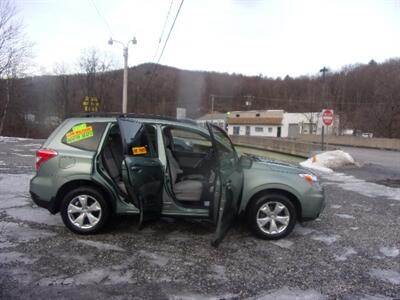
column 92, row 193
column 271, row 200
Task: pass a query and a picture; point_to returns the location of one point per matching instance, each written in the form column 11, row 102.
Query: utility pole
column 125, row 79
column 249, row 101
column 212, row 104
column 324, row 103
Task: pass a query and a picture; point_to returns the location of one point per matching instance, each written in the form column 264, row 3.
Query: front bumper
column 313, row 203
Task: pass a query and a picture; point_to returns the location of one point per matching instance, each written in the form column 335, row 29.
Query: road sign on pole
column 327, row 117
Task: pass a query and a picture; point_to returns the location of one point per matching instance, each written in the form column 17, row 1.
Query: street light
column 111, row 41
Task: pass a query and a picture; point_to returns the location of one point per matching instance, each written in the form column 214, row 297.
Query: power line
column 162, row 31
column 165, row 45
column 102, row 17
column 170, row 31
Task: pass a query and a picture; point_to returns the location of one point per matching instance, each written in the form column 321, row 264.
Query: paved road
column 350, row 252
column 384, row 158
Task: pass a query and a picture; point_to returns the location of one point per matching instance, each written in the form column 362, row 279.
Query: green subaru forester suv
column 94, row 166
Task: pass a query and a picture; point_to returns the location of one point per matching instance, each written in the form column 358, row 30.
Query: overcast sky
column 270, row 37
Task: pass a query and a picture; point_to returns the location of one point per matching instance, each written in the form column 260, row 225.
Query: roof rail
column 130, row 115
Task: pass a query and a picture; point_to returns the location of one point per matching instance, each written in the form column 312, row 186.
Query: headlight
column 310, row 178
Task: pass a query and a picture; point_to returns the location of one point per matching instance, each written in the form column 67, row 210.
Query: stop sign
column 327, row 117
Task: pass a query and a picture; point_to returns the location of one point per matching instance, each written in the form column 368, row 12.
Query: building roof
column 214, row 116
column 255, row 121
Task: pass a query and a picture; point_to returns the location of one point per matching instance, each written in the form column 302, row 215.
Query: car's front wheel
column 84, row 210
column 272, row 216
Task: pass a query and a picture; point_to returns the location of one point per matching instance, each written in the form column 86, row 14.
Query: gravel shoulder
column 350, row 252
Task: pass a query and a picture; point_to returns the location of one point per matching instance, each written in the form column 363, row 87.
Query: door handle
column 136, row 168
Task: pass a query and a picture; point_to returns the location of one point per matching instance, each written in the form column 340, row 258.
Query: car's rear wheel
column 84, row 210
column 272, row 216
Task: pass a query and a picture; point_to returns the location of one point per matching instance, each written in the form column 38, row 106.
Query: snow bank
column 326, row 161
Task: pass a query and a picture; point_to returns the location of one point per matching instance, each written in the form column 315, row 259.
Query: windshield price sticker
column 139, row 150
column 79, row 132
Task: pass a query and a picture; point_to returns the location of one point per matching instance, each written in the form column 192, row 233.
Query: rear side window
column 85, row 136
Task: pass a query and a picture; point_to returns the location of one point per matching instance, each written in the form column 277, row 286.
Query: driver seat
column 186, row 189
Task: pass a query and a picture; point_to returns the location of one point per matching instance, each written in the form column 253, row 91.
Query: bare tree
column 63, row 88
column 98, row 78
column 14, row 51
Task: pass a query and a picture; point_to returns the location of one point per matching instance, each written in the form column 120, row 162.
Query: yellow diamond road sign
column 91, row 104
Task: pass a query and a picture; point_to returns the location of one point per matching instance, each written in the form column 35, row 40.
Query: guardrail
column 292, row 147
column 354, row 141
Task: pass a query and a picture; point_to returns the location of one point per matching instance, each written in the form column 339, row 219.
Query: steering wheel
column 208, row 157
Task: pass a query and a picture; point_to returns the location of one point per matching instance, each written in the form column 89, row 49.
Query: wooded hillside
column 367, row 97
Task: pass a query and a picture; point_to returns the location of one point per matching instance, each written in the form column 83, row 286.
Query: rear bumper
column 37, row 197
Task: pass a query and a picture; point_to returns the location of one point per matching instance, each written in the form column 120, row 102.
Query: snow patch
column 344, row 216
column 303, row 230
column 36, row 215
column 326, row 161
column 286, row 293
column 154, row 258
column 347, row 252
column 283, row 244
column 219, row 273
column 389, row 251
column 95, row 276
column 336, row 206
column 362, row 187
column 11, row 257
column 32, row 145
column 12, row 139
column 14, row 184
column 188, row 296
column 22, row 233
column 23, row 155
column 390, row 276
column 100, row 245
column 327, row 239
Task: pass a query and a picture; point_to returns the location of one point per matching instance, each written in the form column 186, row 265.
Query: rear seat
column 113, row 157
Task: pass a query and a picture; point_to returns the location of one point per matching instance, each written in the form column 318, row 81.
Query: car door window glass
column 189, row 141
column 226, row 152
column 139, row 139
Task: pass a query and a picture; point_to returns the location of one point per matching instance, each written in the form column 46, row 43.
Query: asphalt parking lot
column 351, row 252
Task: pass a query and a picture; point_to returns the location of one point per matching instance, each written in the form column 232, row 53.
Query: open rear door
column 142, row 171
column 231, row 181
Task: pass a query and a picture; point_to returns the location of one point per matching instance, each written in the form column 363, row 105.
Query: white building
column 277, row 123
column 256, row 123
column 218, row 119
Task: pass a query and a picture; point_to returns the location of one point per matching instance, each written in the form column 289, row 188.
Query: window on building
column 257, row 115
column 236, row 130
column 237, row 115
column 269, row 129
column 259, row 129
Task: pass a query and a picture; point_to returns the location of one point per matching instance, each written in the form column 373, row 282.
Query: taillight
column 44, row 155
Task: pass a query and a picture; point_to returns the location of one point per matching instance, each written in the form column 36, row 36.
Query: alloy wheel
column 273, row 217
column 84, row 211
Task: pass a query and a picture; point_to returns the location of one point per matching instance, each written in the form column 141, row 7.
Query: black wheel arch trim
column 79, row 182
column 289, row 195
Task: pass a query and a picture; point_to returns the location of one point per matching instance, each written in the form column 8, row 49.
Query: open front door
column 142, row 171
column 231, row 181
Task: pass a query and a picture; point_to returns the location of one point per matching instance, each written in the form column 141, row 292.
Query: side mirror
column 245, row 162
